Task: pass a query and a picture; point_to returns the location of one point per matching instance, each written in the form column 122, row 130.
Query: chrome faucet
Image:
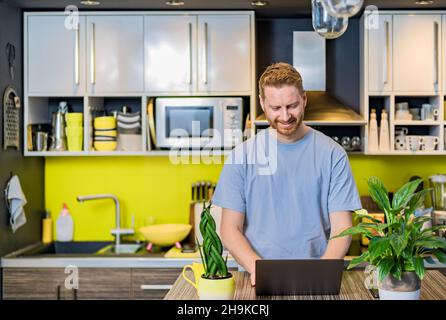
column 117, row 232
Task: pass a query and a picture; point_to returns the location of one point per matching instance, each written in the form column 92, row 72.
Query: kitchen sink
column 67, row 248
column 120, row 249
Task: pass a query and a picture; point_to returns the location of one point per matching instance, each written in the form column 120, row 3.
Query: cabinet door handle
column 436, row 51
column 190, row 52
column 156, row 286
column 93, row 54
column 76, row 56
column 387, row 46
column 205, row 53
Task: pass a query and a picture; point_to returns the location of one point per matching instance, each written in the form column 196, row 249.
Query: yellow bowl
column 164, row 235
column 105, row 145
column 105, row 123
column 107, row 133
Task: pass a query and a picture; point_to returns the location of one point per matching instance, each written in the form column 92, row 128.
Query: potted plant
column 216, row 282
column 399, row 246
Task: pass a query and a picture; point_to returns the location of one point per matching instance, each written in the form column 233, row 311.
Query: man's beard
column 294, row 125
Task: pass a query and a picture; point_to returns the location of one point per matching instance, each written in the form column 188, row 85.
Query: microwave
column 198, row 122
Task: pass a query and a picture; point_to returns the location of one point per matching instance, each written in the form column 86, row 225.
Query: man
column 308, row 196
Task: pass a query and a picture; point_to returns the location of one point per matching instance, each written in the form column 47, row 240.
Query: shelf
column 417, row 123
column 55, row 153
column 405, row 152
column 321, row 123
column 213, row 153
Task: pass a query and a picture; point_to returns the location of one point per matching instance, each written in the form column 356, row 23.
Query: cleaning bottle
column 64, row 225
column 47, row 228
column 373, row 132
column 384, row 137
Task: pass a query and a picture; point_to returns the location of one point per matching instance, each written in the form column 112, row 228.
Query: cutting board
column 174, row 252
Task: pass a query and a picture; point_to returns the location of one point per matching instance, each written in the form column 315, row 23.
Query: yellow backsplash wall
column 153, row 186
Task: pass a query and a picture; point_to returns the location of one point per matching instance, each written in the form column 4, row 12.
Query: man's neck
column 297, row 135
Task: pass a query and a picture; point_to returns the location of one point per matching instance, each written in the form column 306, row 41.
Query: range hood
column 322, row 108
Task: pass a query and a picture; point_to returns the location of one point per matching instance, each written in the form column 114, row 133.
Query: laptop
column 299, row 277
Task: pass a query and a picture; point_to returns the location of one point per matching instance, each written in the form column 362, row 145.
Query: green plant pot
column 408, row 288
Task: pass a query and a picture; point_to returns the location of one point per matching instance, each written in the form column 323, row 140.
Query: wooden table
column 352, row 288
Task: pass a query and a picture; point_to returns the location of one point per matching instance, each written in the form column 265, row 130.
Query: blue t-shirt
column 287, row 191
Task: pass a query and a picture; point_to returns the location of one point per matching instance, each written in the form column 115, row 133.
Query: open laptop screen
column 299, row 277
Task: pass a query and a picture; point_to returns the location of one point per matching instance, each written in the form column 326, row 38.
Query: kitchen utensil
column 106, row 133
column 10, row 55
column 430, row 142
column 438, row 191
column 58, row 137
column 427, row 112
column 355, row 143
column 197, row 268
column 74, row 138
column 105, row 123
column 345, row 143
column 105, row 145
column 129, row 142
column 402, row 106
column 74, row 119
column 403, row 115
column 415, row 112
column 41, row 141
column 165, row 234
column 414, row 143
column 11, row 118
column 400, row 139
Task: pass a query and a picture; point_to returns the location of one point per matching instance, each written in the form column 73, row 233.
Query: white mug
column 414, row 143
column 436, row 113
column 430, row 142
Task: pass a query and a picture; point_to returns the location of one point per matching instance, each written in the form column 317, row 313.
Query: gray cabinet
column 94, row 283
column 54, row 55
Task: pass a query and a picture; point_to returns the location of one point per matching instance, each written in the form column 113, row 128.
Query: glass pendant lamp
column 342, row 8
column 328, row 26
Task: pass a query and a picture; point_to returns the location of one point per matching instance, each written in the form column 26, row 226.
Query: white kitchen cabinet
column 416, row 52
column 198, row 54
column 224, row 50
column 170, row 53
column 115, row 63
column 444, row 50
column 55, row 55
column 380, row 55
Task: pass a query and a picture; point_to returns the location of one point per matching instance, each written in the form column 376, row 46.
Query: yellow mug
column 210, row 289
column 197, row 269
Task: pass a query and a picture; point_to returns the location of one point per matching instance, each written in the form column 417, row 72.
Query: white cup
column 414, row 143
column 430, row 142
column 427, row 112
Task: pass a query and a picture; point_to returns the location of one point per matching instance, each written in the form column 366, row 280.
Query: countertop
column 137, row 260
column 352, row 288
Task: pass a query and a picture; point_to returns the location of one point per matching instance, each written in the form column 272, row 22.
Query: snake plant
column 211, row 250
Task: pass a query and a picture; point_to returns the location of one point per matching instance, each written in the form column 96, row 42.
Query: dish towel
column 15, row 200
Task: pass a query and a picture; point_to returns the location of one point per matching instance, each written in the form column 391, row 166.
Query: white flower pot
column 408, row 288
column 396, row 295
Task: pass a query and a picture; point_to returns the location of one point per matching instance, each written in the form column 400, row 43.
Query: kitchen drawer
column 33, row 283
column 104, row 283
column 153, row 283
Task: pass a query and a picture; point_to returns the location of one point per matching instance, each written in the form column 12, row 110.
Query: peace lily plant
column 399, row 246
